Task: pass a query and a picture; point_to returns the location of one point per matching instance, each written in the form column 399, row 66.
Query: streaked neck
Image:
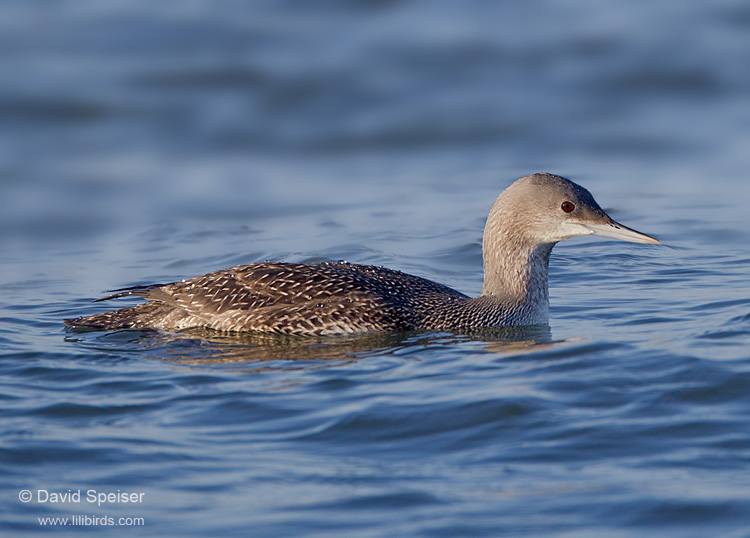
column 516, row 274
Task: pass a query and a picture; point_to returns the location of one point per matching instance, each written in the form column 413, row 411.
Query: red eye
column 568, row 206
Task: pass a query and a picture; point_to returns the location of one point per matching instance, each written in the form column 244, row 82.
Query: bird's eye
column 568, row 206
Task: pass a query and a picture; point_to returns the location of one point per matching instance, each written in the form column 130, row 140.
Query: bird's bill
column 615, row 230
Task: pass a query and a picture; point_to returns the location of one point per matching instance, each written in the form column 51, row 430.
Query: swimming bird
column 525, row 222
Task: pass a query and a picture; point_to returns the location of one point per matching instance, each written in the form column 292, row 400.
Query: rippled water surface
column 145, row 142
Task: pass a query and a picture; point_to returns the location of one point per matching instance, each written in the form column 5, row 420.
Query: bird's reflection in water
column 206, row 347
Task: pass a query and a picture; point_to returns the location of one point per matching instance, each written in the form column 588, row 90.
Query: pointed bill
column 615, row 230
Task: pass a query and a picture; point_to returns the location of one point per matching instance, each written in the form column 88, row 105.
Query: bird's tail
column 125, row 318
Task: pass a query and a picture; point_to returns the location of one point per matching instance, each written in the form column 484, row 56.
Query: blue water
column 145, row 142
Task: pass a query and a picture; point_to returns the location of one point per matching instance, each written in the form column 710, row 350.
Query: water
column 144, row 142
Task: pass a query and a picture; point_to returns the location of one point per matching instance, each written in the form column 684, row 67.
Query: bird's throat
column 517, row 275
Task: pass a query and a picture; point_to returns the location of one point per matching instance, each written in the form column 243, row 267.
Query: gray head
column 544, row 209
column 525, row 222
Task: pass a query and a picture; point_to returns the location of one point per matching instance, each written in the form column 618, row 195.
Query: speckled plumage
column 294, row 298
column 340, row 297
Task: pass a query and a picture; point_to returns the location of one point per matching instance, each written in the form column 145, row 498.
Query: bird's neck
column 516, row 274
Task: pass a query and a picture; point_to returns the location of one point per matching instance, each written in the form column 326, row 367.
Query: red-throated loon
column 525, row 222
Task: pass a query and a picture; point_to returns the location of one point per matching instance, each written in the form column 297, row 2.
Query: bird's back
column 318, row 298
